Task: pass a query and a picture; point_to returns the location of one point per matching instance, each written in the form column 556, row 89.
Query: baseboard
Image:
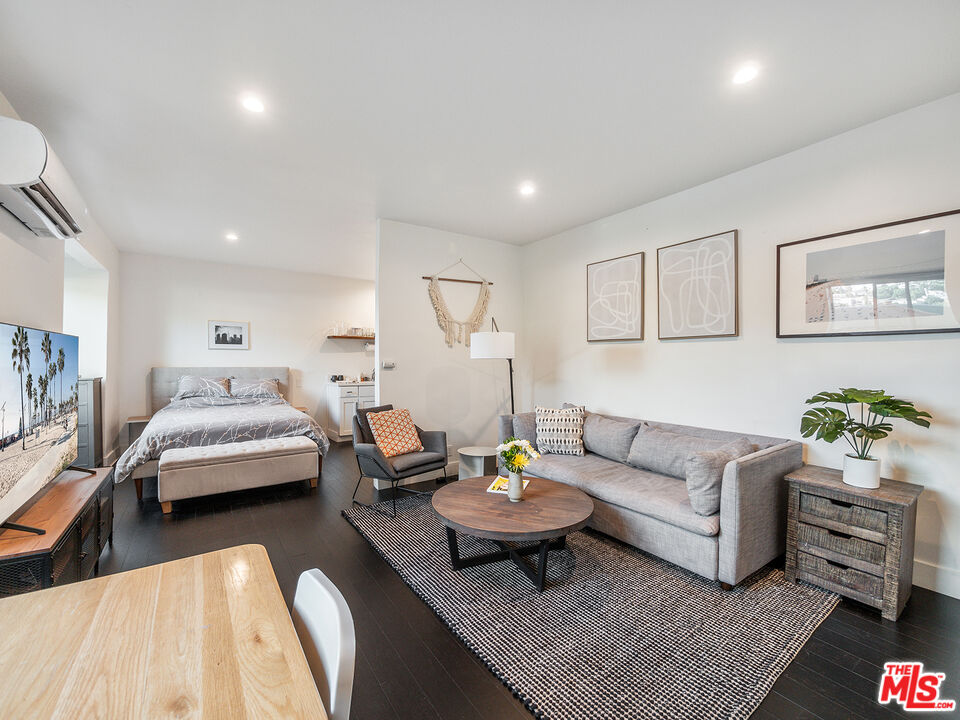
column 110, row 458
column 937, row 578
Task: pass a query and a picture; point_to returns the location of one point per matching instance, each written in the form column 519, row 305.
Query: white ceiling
column 434, row 112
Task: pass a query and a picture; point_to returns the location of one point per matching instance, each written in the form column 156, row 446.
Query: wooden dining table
column 207, row 636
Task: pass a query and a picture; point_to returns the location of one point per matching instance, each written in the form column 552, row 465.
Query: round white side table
column 477, row 461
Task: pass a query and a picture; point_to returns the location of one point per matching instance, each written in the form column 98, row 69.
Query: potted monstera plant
column 863, row 419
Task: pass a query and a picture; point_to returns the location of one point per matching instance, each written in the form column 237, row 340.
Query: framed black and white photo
column 615, row 299
column 697, row 288
column 896, row 278
column 228, row 335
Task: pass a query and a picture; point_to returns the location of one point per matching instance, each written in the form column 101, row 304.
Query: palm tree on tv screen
column 21, row 362
column 51, row 374
column 43, row 383
column 29, row 390
column 61, row 363
column 46, row 349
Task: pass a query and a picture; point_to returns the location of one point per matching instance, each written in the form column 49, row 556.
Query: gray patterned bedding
column 194, row 422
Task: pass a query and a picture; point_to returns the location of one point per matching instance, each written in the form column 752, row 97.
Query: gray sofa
column 652, row 510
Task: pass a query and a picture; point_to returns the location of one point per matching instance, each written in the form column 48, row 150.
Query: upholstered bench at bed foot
column 198, row 471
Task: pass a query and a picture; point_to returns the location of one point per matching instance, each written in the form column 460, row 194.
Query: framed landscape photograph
column 615, row 299
column 697, row 294
column 228, row 335
column 895, row 278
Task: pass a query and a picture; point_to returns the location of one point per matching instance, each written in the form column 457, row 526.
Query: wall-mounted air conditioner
column 34, row 187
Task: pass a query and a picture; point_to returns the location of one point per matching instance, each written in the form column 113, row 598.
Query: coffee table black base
column 538, row 575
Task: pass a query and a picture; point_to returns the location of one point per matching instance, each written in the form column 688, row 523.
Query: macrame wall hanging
column 458, row 330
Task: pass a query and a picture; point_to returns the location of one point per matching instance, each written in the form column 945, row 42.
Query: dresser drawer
column 349, row 392
column 367, row 391
column 841, row 547
column 840, row 578
column 842, row 513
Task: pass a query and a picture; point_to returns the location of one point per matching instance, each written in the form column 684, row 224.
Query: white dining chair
column 325, row 626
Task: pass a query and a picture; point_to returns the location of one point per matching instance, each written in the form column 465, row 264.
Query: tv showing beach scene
column 38, row 411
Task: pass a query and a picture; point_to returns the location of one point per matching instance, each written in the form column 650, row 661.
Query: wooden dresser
column 76, row 511
column 853, row 541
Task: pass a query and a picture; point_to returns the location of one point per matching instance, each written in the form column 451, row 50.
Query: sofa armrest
column 372, row 461
column 434, row 441
column 753, row 510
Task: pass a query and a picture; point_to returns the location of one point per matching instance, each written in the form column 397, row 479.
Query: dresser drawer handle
column 840, row 503
column 837, row 565
column 837, row 533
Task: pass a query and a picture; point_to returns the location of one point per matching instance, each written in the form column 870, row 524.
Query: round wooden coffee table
column 548, row 512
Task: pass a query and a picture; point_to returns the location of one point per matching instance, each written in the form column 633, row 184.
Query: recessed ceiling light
column 746, row 73
column 527, row 188
column 231, row 237
column 923, row 231
column 252, row 103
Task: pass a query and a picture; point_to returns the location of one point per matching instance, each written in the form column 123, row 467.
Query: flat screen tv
column 38, row 411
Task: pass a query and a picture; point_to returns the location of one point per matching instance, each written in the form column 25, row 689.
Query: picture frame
column 228, row 335
column 894, row 278
column 615, row 292
column 698, row 288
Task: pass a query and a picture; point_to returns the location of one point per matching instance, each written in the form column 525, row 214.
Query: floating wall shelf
column 365, row 338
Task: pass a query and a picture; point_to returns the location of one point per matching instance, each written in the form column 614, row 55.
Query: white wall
column 903, row 166
column 441, row 386
column 85, row 311
column 167, row 303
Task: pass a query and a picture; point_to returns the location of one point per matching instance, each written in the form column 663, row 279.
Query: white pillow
column 560, row 430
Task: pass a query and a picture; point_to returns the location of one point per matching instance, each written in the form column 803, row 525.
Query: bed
column 196, row 422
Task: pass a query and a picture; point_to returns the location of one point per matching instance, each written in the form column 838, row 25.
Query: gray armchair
column 373, row 464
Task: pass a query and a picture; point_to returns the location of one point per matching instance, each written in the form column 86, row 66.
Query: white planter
column 515, row 487
column 861, row 473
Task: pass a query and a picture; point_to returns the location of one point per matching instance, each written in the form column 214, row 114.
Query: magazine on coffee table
column 499, row 485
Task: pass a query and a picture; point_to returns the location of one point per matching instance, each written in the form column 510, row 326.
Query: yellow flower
column 521, row 461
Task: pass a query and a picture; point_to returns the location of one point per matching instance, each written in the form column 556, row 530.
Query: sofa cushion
column 704, row 473
column 402, row 463
column 647, row 493
column 608, row 437
column 666, row 452
column 560, row 430
column 525, row 427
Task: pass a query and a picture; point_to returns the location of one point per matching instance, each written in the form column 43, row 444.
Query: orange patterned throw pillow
column 394, row 432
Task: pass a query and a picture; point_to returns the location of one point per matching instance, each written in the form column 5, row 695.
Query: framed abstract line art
column 890, row 279
column 697, row 294
column 615, row 299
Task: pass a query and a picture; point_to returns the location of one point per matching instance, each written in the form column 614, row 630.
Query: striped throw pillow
column 560, row 431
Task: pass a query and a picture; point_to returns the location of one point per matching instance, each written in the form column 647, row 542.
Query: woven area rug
column 616, row 634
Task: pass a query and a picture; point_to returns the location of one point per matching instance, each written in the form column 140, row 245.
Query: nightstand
column 135, row 426
column 853, row 541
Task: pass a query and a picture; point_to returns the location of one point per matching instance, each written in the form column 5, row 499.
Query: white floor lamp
column 495, row 345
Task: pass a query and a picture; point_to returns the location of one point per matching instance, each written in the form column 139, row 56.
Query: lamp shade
column 492, row 345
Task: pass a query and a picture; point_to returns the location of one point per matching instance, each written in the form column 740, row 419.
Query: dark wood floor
column 410, row 666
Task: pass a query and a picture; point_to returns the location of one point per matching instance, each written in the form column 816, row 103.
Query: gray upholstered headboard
column 163, row 380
